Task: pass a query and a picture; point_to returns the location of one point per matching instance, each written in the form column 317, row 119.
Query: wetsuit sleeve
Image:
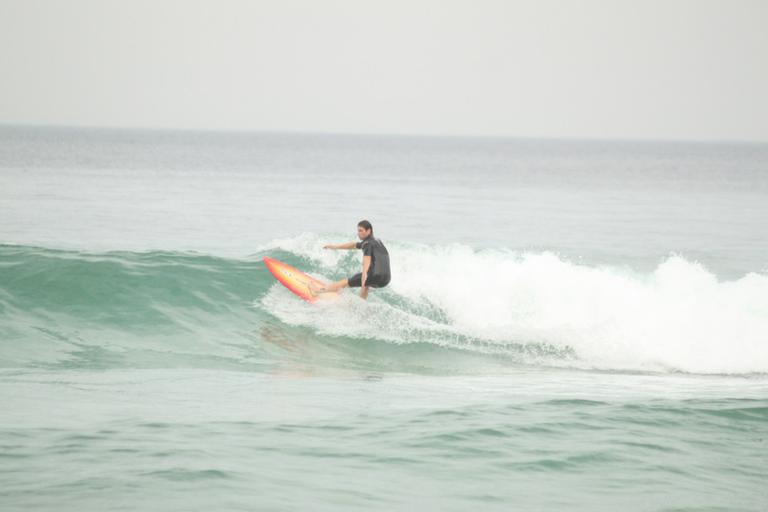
column 359, row 245
column 367, row 249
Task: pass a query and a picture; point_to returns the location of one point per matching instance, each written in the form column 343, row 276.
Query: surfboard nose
column 271, row 263
column 294, row 279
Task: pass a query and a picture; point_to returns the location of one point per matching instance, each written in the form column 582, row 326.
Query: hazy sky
column 688, row 69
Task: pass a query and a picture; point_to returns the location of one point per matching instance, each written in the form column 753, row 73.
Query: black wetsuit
column 378, row 272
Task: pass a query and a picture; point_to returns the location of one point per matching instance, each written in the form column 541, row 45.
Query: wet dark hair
column 365, row 225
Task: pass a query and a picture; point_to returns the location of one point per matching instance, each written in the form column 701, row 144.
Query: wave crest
column 679, row 317
column 170, row 308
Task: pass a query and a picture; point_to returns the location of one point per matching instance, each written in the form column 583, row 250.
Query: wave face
column 451, row 307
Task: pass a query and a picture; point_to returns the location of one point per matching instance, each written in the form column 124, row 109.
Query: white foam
column 678, row 317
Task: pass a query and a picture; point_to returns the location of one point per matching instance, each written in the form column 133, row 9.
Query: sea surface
column 571, row 325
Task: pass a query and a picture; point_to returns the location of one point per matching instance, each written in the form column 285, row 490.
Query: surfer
column 375, row 272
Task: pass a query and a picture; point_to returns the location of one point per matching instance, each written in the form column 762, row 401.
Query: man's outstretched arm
column 348, row 245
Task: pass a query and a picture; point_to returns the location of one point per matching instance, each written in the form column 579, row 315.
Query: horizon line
column 254, row 131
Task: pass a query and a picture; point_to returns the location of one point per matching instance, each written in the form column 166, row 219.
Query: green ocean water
column 164, row 380
column 149, row 361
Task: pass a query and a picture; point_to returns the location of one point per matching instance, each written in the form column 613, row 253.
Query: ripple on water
column 182, row 474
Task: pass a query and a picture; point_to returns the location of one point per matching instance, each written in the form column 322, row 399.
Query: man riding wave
column 375, row 273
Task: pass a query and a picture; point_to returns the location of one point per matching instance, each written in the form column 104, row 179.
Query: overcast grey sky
column 685, row 69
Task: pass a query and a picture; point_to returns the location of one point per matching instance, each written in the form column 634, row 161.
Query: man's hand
column 328, row 246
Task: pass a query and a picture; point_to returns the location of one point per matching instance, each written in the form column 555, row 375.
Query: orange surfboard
column 296, row 280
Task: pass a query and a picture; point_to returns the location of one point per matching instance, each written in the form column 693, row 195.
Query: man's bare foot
column 314, row 289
